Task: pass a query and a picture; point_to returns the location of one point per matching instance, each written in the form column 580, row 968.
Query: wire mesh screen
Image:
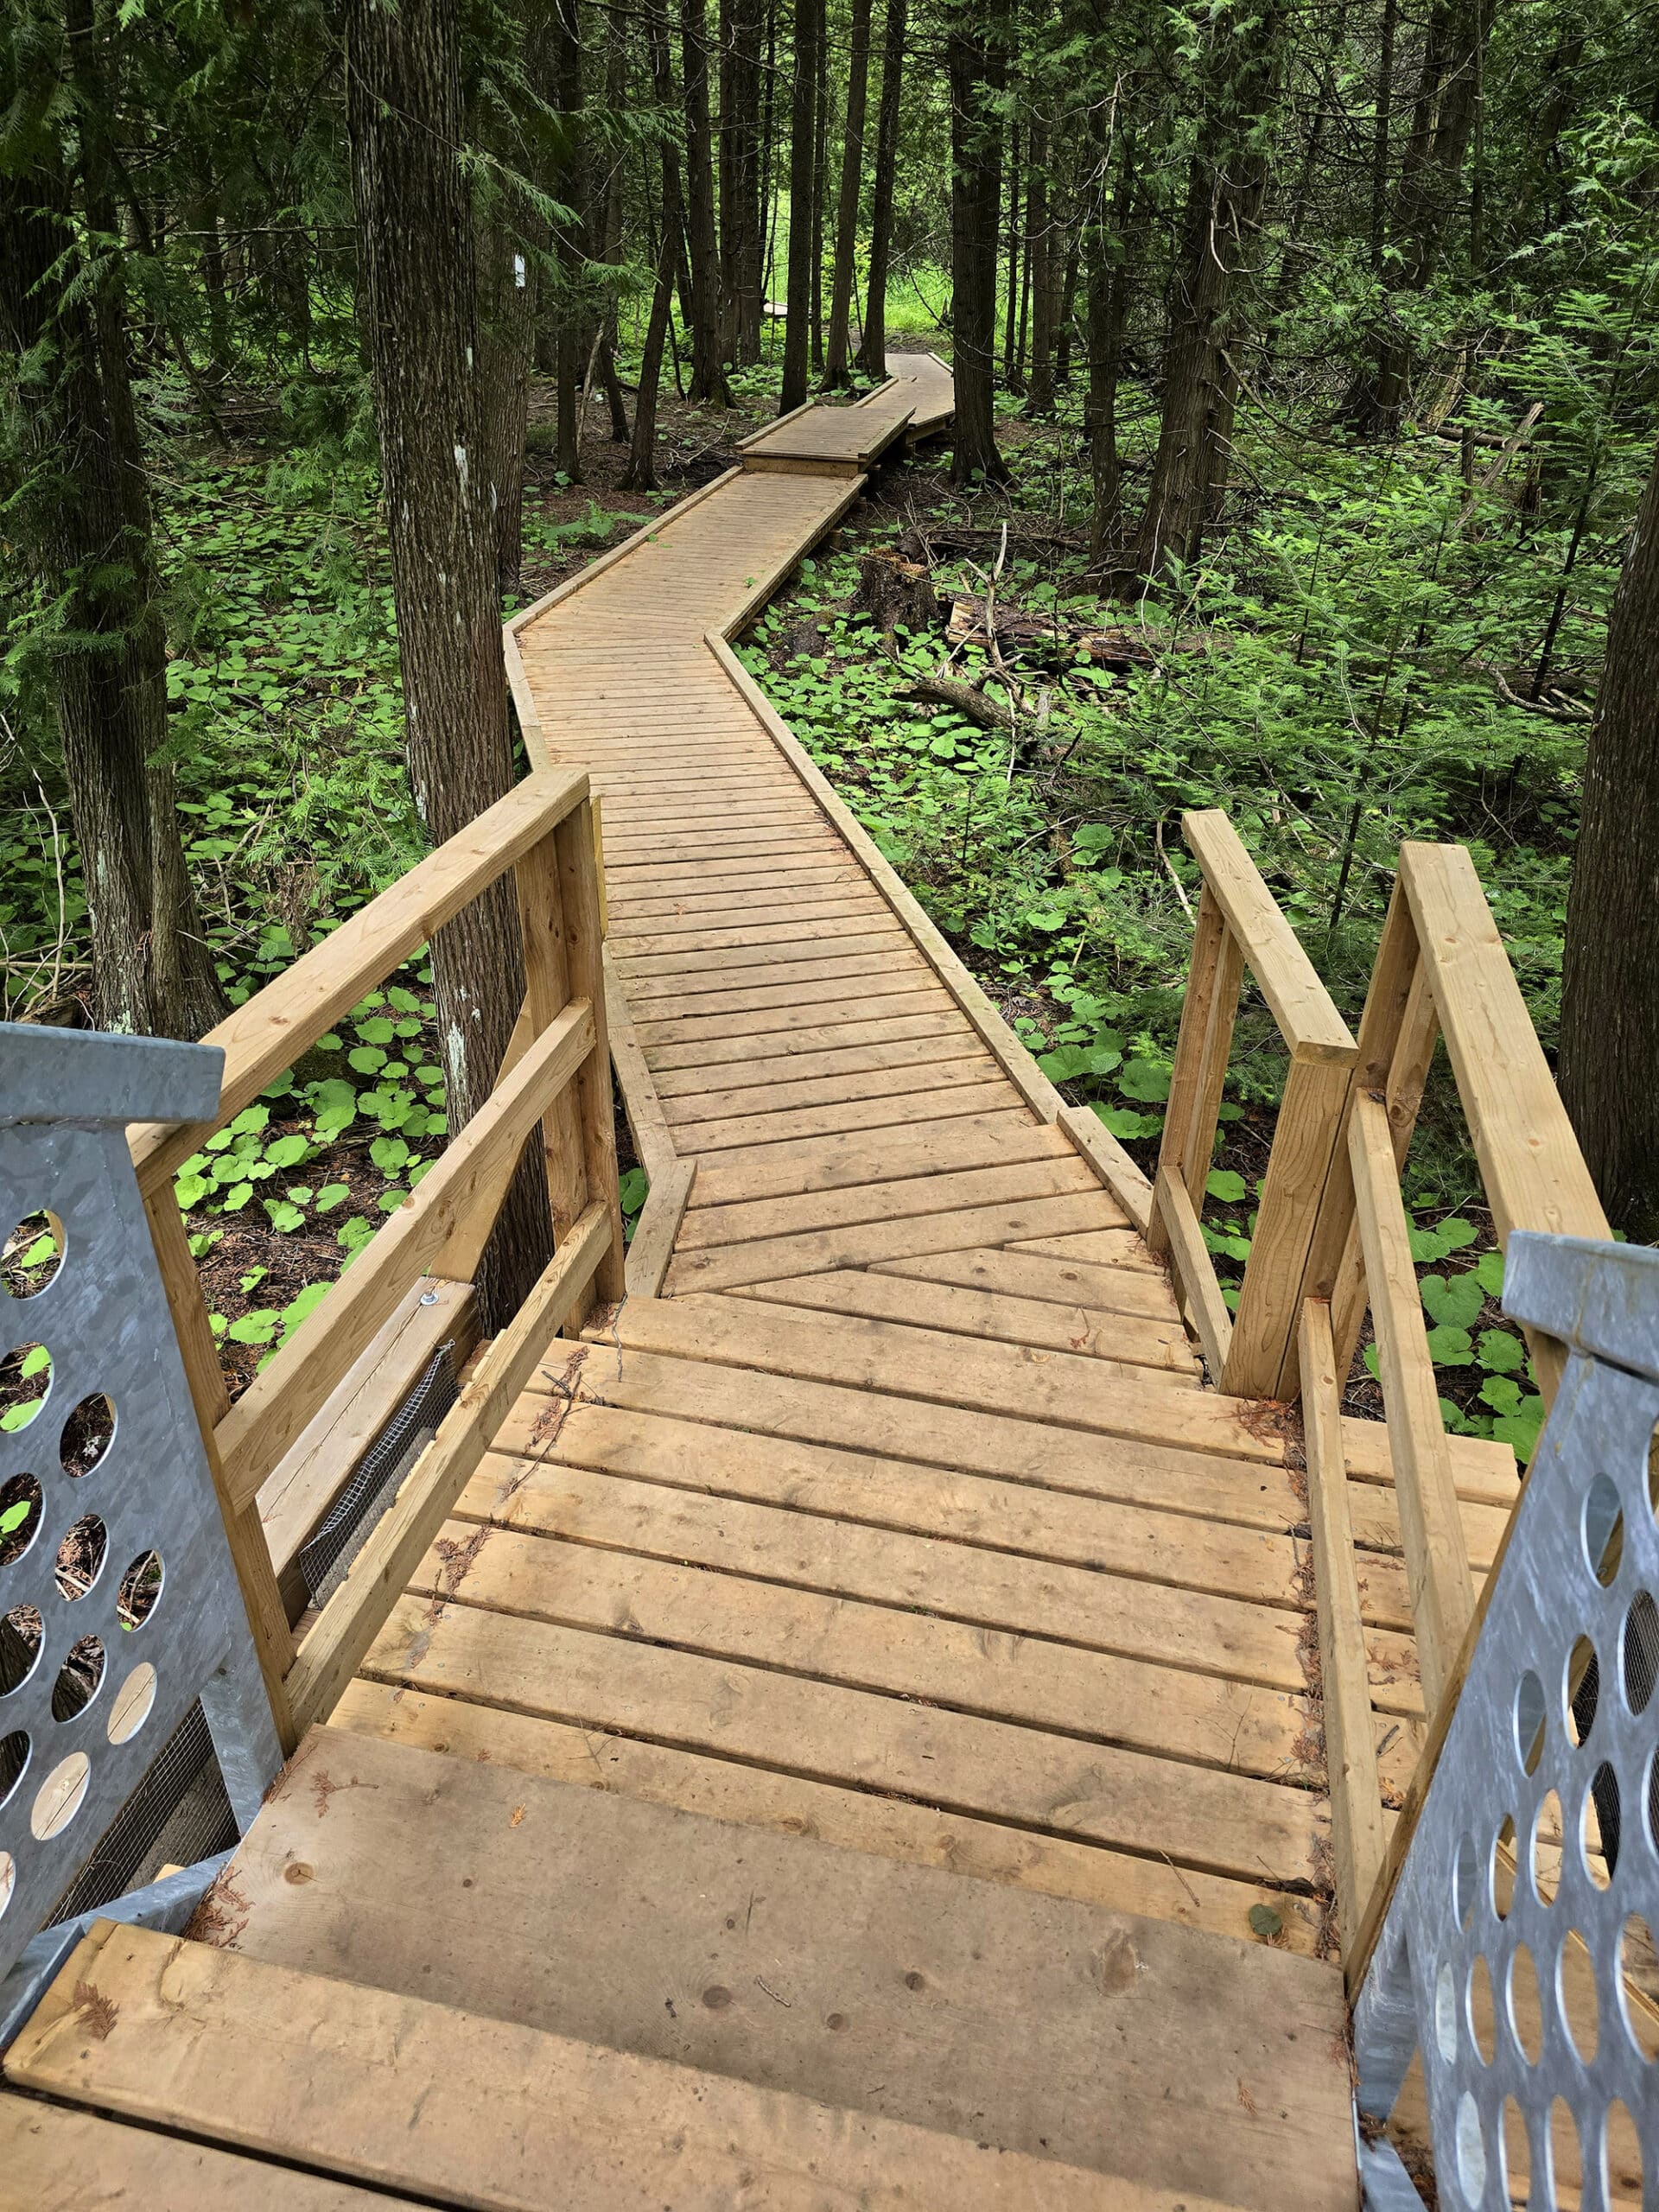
column 179, row 1813
column 326, row 1557
column 1518, row 1951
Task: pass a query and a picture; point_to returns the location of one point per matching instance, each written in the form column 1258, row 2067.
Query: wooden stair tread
column 1040, row 2024
column 54, row 2158
column 1127, row 1801
column 460, row 2108
column 1062, row 1388
column 1116, row 1340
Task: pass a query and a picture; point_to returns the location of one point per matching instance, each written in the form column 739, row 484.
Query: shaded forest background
column 1305, row 376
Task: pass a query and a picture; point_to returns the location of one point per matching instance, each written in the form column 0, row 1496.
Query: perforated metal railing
column 119, row 1605
column 1517, row 1950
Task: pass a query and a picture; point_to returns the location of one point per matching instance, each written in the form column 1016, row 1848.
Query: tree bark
column 797, row 331
column 506, row 329
column 820, row 171
column 1225, row 182
column 1610, row 1010
column 1041, row 400
column 640, row 475
column 565, row 41
column 873, row 343
column 403, row 108
column 81, row 518
column 1011, row 305
column 1108, row 300
column 707, row 386
column 976, row 66
column 852, row 179
column 742, row 248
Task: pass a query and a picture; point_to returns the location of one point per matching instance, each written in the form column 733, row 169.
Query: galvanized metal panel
column 1552, row 1766
column 104, row 1320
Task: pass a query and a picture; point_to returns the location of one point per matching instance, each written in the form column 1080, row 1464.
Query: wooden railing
column 1253, row 1353
column 556, row 1073
column 1441, row 970
column 1332, row 1240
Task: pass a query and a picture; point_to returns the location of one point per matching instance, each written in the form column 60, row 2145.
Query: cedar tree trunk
column 852, row 178
column 873, row 343
column 1610, row 1004
column 414, row 216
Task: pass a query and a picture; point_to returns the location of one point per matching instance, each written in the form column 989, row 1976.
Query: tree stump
column 897, row 593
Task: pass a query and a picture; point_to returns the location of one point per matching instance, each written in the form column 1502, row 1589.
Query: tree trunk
column 403, row 110
column 81, row 518
column 565, row 41
column 1042, row 280
column 873, row 344
column 1225, row 182
column 1610, row 1010
column 1108, row 301
column 640, row 475
column 1066, row 312
column 820, row 172
column 976, row 61
column 740, row 244
column 506, row 327
column 797, row 331
column 707, row 387
column 1011, row 307
column 852, row 178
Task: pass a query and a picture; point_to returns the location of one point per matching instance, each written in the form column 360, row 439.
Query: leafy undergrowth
column 286, row 739
column 1051, row 853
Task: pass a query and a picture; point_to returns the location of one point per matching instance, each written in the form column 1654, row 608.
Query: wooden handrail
column 1358, row 1834
column 1308, row 1020
column 1534, row 1172
column 1437, row 1559
column 269, row 1031
column 556, row 1072
column 1239, row 926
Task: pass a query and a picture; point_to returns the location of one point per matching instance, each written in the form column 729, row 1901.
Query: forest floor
column 1273, row 683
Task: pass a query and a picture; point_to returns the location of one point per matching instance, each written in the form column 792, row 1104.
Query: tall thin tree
column 419, row 308
column 873, row 343
column 80, row 518
column 709, row 384
column 640, row 475
column 802, row 190
column 975, row 56
column 852, row 180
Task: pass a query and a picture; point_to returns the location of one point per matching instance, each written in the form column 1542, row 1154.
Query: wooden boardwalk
column 856, row 1741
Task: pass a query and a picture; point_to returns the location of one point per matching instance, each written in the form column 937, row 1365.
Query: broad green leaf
column 1501, row 1352
column 1222, row 1183
column 1145, row 1080
column 257, row 1328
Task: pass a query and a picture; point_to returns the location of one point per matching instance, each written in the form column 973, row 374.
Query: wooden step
column 1063, row 1388
column 1043, row 2026
column 54, row 2159
column 460, row 2107
column 1138, row 1553
column 1120, row 1339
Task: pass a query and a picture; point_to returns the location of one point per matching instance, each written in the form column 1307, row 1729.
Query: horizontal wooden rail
column 478, row 1166
column 268, row 1033
column 1239, row 926
column 556, row 1072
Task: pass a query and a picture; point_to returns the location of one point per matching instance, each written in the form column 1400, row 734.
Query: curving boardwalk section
column 852, row 1744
